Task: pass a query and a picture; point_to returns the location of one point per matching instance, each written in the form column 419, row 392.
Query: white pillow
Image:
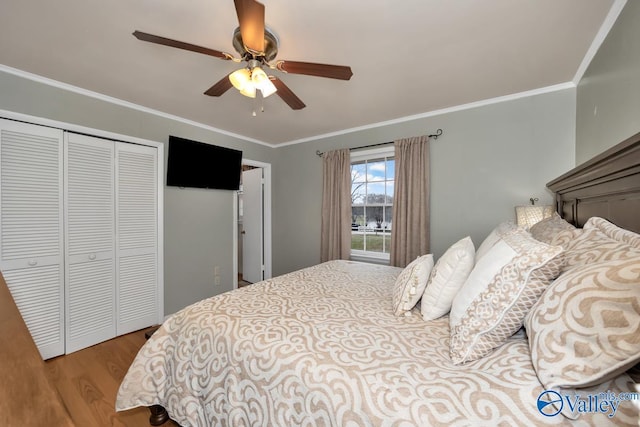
column 447, row 277
column 502, row 229
column 410, row 284
column 499, row 292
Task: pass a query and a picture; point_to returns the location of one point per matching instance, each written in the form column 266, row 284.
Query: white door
column 90, row 255
column 137, row 236
column 252, row 226
column 31, row 227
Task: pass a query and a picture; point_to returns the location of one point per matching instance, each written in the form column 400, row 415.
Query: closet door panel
column 90, row 307
column 137, row 299
column 137, row 237
column 90, row 244
column 38, row 295
column 31, row 228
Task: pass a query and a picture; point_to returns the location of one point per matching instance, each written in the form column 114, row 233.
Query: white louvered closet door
column 31, row 250
column 137, row 236
column 90, row 244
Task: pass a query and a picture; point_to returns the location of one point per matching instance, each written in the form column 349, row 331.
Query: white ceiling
column 408, row 57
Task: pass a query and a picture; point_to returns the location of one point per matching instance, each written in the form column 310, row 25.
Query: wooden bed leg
column 158, row 415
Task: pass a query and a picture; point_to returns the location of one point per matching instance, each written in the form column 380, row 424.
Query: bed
column 351, row 344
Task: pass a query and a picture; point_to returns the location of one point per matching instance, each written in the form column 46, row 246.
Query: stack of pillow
column 576, row 292
column 486, row 293
column 584, row 332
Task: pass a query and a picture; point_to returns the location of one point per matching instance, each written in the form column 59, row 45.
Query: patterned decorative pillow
column 447, row 277
column 410, row 284
column 499, row 292
column 548, row 228
column 613, row 231
column 585, row 329
column 564, row 238
column 502, row 229
column 593, row 246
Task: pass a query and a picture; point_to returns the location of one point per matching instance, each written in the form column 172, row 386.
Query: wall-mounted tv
column 199, row 165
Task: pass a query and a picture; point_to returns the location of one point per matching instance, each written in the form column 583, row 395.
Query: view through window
column 372, row 181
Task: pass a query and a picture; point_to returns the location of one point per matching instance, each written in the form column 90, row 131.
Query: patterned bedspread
column 321, row 347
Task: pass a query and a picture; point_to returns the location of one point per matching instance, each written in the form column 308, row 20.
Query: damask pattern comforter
column 321, row 347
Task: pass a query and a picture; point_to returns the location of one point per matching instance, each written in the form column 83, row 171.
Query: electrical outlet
column 216, row 270
column 216, row 280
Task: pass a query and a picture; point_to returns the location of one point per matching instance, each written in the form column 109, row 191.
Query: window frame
column 387, row 152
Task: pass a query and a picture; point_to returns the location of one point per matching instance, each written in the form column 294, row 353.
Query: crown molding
column 106, row 98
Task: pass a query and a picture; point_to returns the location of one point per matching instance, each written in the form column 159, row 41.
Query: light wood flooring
column 88, row 382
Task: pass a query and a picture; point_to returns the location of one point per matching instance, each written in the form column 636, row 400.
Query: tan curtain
column 410, row 227
column 335, row 242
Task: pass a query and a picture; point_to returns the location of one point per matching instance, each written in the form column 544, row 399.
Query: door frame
column 266, row 176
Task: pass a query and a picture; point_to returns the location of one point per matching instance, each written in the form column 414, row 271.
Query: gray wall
column 198, row 228
column 608, row 96
column 489, row 159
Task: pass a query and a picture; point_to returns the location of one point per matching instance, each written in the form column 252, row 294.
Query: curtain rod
column 434, row 136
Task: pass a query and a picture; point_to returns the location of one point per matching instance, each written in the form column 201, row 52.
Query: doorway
column 252, row 225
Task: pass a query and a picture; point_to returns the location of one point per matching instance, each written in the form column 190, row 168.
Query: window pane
column 389, row 188
column 388, row 210
column 358, row 172
column 391, row 168
column 374, row 216
column 358, row 193
column 376, row 170
column 375, row 242
column 357, row 217
column 357, row 240
column 375, row 193
column 387, row 242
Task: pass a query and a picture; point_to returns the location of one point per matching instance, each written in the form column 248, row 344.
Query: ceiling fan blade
column 251, row 19
column 340, row 72
column 219, row 88
column 180, row 45
column 286, row 94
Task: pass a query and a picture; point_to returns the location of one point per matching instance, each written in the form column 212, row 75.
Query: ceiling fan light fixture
column 258, row 76
column 268, row 88
column 240, row 78
column 261, row 81
column 249, row 90
column 247, row 81
column 257, row 46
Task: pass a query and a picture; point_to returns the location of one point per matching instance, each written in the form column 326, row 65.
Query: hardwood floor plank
column 88, row 382
column 80, row 413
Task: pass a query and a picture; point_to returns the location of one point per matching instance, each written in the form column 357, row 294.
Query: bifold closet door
column 137, row 237
column 90, row 243
column 31, row 227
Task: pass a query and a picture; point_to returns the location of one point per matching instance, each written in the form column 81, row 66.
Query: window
column 372, row 181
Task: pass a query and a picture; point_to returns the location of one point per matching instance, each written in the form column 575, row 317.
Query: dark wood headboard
column 607, row 186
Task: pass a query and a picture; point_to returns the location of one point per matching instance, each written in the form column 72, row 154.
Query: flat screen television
column 198, row 165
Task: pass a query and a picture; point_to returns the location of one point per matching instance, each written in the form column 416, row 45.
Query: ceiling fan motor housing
column 270, row 46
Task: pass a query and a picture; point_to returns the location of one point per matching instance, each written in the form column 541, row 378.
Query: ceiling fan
column 258, row 47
